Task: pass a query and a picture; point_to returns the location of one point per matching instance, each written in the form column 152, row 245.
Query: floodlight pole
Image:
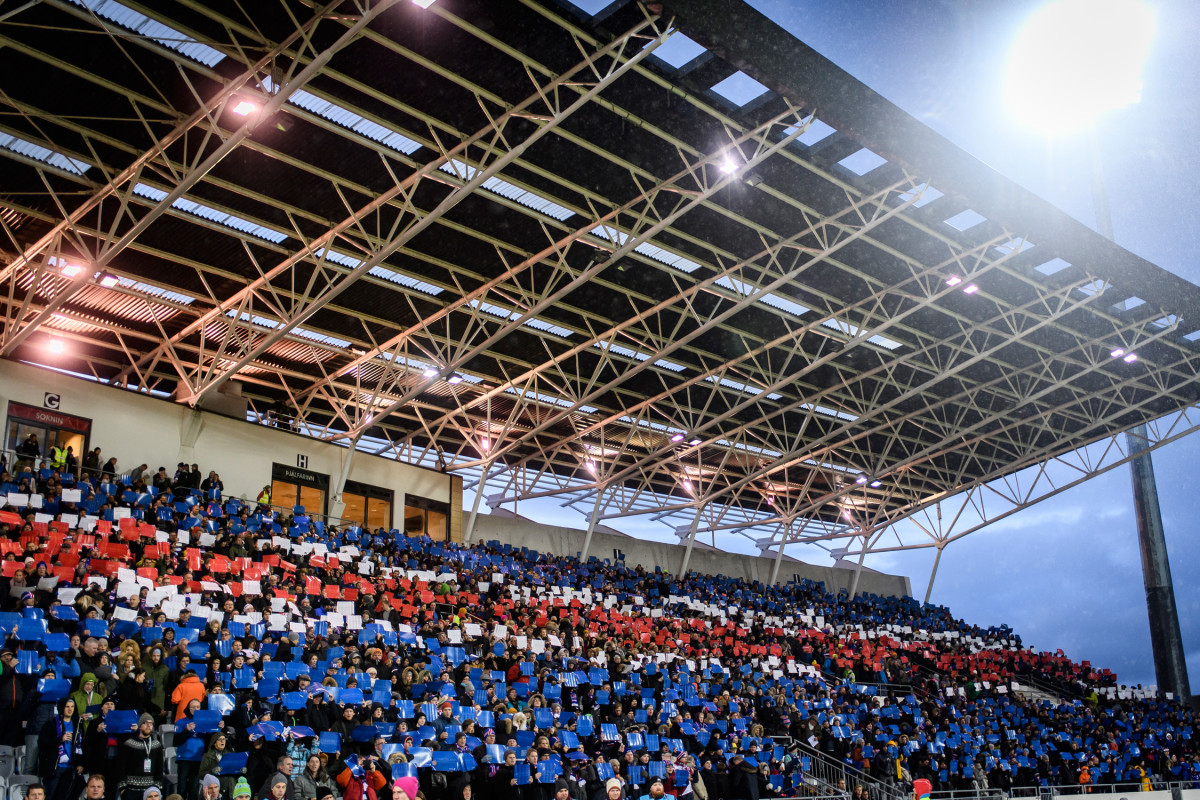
column 1166, row 641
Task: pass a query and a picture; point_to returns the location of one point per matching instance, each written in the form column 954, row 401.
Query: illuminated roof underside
column 670, row 254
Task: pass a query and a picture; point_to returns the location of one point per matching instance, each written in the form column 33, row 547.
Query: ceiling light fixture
column 423, row 3
column 694, row 441
column 729, row 166
column 71, row 270
column 953, row 280
column 454, row 378
column 1130, row 358
column 678, row 437
column 244, row 108
column 108, row 280
column 970, row 289
column 430, row 372
column 56, row 345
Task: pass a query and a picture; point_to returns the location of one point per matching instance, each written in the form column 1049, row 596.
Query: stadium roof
column 664, row 259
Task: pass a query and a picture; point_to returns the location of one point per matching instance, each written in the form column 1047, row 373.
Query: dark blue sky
column 1065, row 573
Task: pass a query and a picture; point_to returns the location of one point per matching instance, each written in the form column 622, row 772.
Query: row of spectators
column 155, row 632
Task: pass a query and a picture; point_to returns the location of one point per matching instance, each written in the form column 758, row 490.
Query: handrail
column 1064, row 789
column 829, row 771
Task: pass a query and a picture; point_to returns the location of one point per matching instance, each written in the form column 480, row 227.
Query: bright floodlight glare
column 694, row 442
column 1117, row 353
column 430, row 373
column 971, row 289
column 687, row 486
column 728, row 166
column 678, row 437
column 109, row 281
column 485, row 443
column 455, row 378
column 590, row 466
column 953, row 280
column 245, row 108
column 1129, row 359
column 876, row 484
column 71, row 270
column 1076, row 60
column 861, row 479
column 424, row 3
column 56, row 345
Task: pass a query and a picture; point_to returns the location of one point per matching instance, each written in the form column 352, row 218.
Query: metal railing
column 1126, row 787
column 829, row 771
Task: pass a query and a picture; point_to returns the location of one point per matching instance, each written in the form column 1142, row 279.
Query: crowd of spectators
column 161, row 637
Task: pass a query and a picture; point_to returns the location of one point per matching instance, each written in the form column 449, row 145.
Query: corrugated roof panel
column 534, row 322
column 44, row 154
column 168, row 37
column 348, row 119
column 212, row 214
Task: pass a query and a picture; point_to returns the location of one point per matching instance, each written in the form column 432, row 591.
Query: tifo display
column 161, row 636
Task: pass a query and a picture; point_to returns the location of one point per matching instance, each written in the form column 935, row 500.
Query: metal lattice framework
column 544, row 250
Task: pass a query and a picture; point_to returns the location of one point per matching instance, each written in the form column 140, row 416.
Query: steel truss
column 799, row 423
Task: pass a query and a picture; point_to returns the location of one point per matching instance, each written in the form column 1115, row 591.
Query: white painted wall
column 569, row 541
column 140, row 429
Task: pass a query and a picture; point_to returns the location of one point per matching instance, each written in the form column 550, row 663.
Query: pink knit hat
column 408, row 785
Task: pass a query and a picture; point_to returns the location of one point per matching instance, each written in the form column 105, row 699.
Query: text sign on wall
column 48, row 417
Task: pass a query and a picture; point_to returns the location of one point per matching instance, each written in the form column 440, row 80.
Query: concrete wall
column 569, row 541
column 137, row 429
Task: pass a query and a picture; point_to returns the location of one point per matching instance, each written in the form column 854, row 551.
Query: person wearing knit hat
column 151, row 793
column 210, row 787
column 612, row 789
column 407, row 788
column 242, row 788
column 144, row 718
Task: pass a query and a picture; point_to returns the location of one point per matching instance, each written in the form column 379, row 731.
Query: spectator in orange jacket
column 189, row 689
column 361, row 780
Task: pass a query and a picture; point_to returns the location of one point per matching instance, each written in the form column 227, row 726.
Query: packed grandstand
column 171, row 639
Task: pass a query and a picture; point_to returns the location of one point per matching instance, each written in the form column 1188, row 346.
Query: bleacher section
column 351, row 644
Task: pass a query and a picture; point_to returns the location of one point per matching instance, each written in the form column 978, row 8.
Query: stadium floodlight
column 108, row 280
column 860, row 480
column 729, row 166
column 1120, row 351
column 55, row 345
column 970, row 289
column 1076, row 60
column 70, row 270
column 485, row 443
column 687, row 486
column 1130, row 358
column 953, row 280
column 454, row 378
column 423, row 3
column 678, row 437
column 590, row 466
column 430, row 372
column 244, row 108
column 695, row 441
column 876, row 484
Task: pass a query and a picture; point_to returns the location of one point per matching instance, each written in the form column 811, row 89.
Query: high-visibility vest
column 58, row 457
